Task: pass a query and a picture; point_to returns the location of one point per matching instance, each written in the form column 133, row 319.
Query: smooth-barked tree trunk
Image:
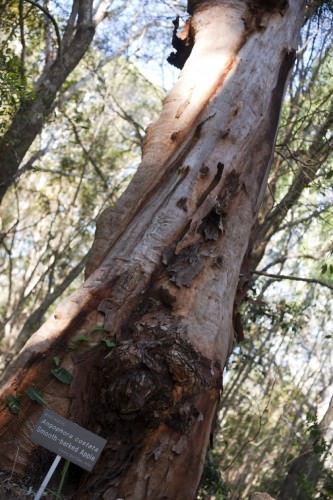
column 164, row 269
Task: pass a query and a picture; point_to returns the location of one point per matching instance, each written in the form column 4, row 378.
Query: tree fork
column 164, row 269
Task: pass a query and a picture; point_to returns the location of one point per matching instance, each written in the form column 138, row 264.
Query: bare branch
column 22, row 37
column 86, row 151
column 30, row 116
column 34, row 320
column 293, row 278
column 69, row 30
column 53, row 21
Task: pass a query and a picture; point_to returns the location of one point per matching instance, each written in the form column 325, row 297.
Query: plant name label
column 67, row 439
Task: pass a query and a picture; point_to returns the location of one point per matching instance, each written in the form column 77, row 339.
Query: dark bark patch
column 258, row 11
column 183, row 417
column 148, row 381
column 235, row 111
column 288, row 57
column 149, row 391
column 238, row 327
column 211, row 227
column 201, row 124
column 231, row 187
column 166, row 297
column 184, row 170
column 213, row 184
column 225, row 133
column 167, row 256
column 191, row 5
column 232, row 182
column 183, row 42
column 185, row 266
column 218, row 262
column 182, row 204
column 135, row 385
column 269, row 6
column 204, row 171
column 105, row 307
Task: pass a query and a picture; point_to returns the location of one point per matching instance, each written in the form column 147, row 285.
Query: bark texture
column 164, row 269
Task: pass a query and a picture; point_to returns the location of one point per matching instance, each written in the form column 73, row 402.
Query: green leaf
column 81, row 338
column 35, row 395
column 109, row 343
column 56, row 361
column 13, row 403
column 62, row 375
column 75, row 343
column 98, row 328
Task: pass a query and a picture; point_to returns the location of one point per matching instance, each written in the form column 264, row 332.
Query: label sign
column 67, row 439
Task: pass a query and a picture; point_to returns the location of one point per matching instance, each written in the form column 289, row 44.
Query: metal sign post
column 47, row 477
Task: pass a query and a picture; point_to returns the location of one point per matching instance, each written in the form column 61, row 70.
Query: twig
column 257, row 433
column 23, row 46
column 53, row 21
column 86, row 151
column 293, row 278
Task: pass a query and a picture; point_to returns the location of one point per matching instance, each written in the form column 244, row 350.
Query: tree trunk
column 165, row 267
column 306, row 470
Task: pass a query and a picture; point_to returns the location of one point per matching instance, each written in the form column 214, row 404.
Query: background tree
column 72, row 169
column 66, row 35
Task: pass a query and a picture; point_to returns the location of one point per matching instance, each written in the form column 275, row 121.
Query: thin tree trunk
column 306, row 469
column 31, row 115
column 165, row 267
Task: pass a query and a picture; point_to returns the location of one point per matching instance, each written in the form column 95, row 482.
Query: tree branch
column 86, row 151
column 30, row 117
column 293, row 278
column 22, row 37
column 53, row 21
column 34, row 320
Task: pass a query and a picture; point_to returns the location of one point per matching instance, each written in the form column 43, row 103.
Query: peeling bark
column 164, row 269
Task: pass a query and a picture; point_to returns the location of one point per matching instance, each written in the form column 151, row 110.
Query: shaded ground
column 12, row 488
